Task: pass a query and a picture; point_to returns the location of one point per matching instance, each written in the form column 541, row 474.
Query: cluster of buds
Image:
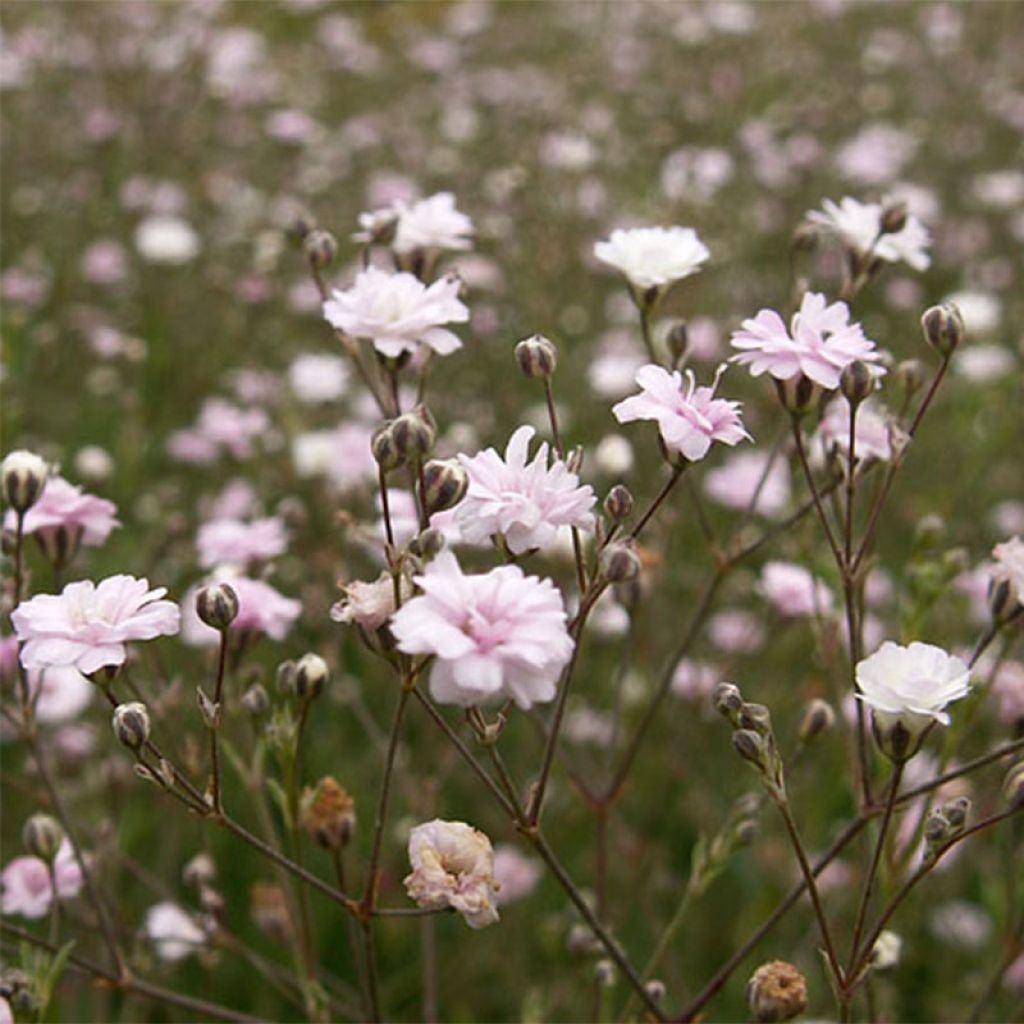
column 710, row 858
column 329, row 814
column 752, row 736
column 305, row 678
column 776, row 992
column 404, row 439
column 943, row 826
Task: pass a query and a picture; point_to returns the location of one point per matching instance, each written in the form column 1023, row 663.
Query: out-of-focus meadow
column 154, row 157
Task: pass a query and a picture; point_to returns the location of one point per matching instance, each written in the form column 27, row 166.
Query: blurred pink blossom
column 239, row 542
column 63, row 506
column 794, row 591
column 28, row 889
column 261, row 609
column 735, row 482
column 1008, row 691
column 515, row 874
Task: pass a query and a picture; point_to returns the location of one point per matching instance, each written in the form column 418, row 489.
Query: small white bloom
column 165, row 239
column 173, row 933
column 432, row 223
column 317, row 377
column 886, row 951
column 860, row 224
column 1009, row 566
column 653, row 257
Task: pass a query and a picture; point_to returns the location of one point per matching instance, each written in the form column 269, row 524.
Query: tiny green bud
column 818, row 717
column 749, row 746
column 856, row 382
column 727, row 700
column 42, row 836
column 756, row 717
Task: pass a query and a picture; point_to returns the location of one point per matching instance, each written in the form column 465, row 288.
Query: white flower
column 316, row 377
column 173, row 933
column 860, row 224
column 166, row 239
column 653, row 257
column 1009, row 567
column 453, row 866
column 908, row 688
column 432, row 223
column 886, row 951
column 398, row 313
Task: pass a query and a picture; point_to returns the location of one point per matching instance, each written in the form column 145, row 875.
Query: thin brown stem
column 677, row 472
column 801, row 451
column 214, row 726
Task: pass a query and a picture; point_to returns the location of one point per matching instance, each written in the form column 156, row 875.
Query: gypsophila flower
column 747, row 474
column 653, row 257
column 860, row 226
column 793, row 590
column 318, row 377
column 398, row 313
column 173, row 932
column 495, row 635
column 911, row 686
column 238, row 542
column 689, row 421
column 432, row 223
column 1008, row 566
column 524, row 502
column 515, row 874
column 453, row 866
column 88, row 625
column 822, row 344
column 871, row 429
column 59, row 693
column 370, row 605
column 65, row 510
column 28, row 888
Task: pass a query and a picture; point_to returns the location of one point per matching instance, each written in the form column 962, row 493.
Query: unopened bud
column 798, row 395
column 445, row 482
column 818, row 717
column 537, row 357
column 581, row 941
column 255, row 700
column 745, row 831
column 618, row 504
column 749, row 746
column 894, row 217
column 655, row 989
column 604, row 972
column 1004, row 601
column 320, row 248
column 200, row 871
column 936, row 828
column 131, row 724
column 776, row 992
column 678, row 341
column 384, row 447
column 329, row 814
column 886, row 952
column 311, row 674
column 727, row 700
column 910, row 376
column 805, row 238
column 24, row 477
column 956, row 812
column 285, row 678
column 42, row 836
column 302, row 224
column 929, row 531
column 428, row 544
column 268, row 906
column 856, row 382
column 414, row 435
column 756, row 717
column 943, row 328
column 620, row 563
column 217, row 605
column 1013, row 786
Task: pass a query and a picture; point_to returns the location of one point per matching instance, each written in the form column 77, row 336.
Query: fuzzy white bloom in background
column 1008, row 566
column 398, row 313
column 909, row 687
column 166, row 239
column 860, row 224
column 432, row 223
column 495, row 635
column 453, row 866
column 524, row 502
column 886, row 952
column 173, row 933
column 653, row 257
column 318, row 377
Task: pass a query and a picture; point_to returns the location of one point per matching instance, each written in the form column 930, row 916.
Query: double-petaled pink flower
column 495, row 635
column 526, row 503
column 689, row 420
column 28, row 887
column 87, row 625
column 822, row 344
column 84, row 518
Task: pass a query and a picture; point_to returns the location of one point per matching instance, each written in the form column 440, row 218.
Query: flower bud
column 936, row 828
column 311, row 673
column 329, row 814
column 929, row 531
column 655, row 989
column 1013, row 786
column 604, row 972
column 749, row 746
column 943, row 328
column 42, row 836
column 909, row 375
column 255, row 700
column 956, row 812
column 131, row 724
column 268, row 907
column 886, row 951
column 776, row 992
column 818, row 717
column 620, row 563
column 285, row 678
column 678, row 340
column 200, row 871
column 301, row 225
column 414, row 435
column 856, row 382
column 320, row 248
column 1003, row 602
column 385, row 448
column 445, row 482
column 618, row 504
column 24, row 477
column 756, row 717
column 217, row 606
column 727, row 700
column 428, row 544
column 894, row 217
column 537, row 357
column 805, row 238
column 798, row 395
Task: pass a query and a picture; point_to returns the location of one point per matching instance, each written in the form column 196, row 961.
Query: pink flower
column 398, row 313
column 231, row 540
column 28, row 889
column 495, row 635
column 1008, row 567
column 822, row 345
column 174, row 933
column 59, row 692
column 432, row 223
column 524, row 502
column 515, row 875
column 694, row 680
column 261, row 609
column 793, row 590
column 735, row 482
column 88, row 625
column 63, row 506
column 453, row 866
column 370, row 605
column 1008, row 690
column 873, row 440
column 221, row 427
column 341, row 455
column 688, row 421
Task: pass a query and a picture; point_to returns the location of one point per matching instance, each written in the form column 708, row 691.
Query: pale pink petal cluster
column 220, row 428
column 653, row 257
column 515, row 874
column 1008, row 566
column 694, row 680
column 1008, row 691
column 174, row 934
column 495, row 635
column 860, row 226
column 62, row 505
column 342, row 455
column 871, row 429
column 59, row 693
column 526, row 502
column 453, row 866
column 87, row 625
column 911, row 685
column 371, row 604
column 28, row 888
column 261, row 609
column 689, row 420
column 431, row 223
column 735, row 483
column 398, row 313
column 793, row 591
column 822, row 344
column 240, row 542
